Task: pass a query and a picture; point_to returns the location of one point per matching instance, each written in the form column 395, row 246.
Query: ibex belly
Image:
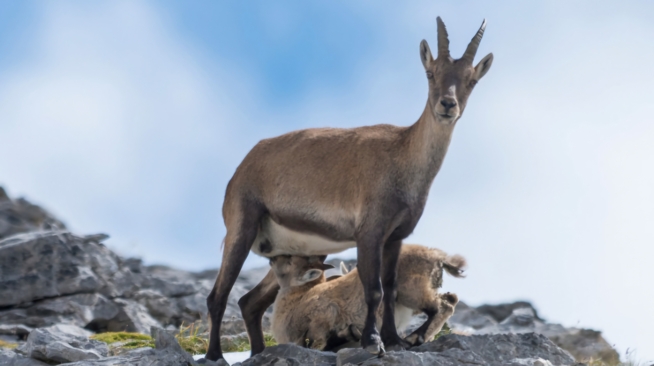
column 274, row 239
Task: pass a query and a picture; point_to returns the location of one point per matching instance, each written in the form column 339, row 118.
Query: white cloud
column 112, row 120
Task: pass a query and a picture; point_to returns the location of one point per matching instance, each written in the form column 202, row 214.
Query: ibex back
column 320, row 191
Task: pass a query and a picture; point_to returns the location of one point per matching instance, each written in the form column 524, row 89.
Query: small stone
column 353, row 356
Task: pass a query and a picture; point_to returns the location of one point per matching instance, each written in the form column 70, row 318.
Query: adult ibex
column 321, row 191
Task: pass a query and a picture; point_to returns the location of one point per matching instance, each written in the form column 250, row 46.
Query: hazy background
column 130, row 117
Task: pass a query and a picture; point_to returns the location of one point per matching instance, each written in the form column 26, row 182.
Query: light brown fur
column 317, row 310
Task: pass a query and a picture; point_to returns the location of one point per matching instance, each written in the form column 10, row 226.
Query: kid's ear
column 344, row 269
column 310, row 275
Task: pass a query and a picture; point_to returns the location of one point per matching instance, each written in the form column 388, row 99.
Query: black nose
column 448, row 103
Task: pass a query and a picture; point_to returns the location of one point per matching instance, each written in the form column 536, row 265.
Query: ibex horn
column 471, row 51
column 443, row 41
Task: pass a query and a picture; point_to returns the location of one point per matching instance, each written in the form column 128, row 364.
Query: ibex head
column 297, row 270
column 451, row 81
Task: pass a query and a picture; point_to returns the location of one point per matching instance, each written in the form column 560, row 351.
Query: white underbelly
column 403, row 317
column 274, row 239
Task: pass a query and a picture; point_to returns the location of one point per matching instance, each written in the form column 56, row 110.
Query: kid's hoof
column 415, row 340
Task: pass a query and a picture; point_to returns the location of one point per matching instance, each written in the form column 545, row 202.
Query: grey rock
column 220, row 362
column 18, row 331
column 132, row 317
column 453, row 357
column 162, row 308
column 468, row 319
column 140, row 357
column 57, row 344
column 84, row 310
column 502, row 311
column 165, row 340
column 11, row 358
column 167, row 353
column 291, row 355
column 583, row 344
column 586, row 344
column 20, row 216
column 353, row 356
column 501, row 348
column 43, row 264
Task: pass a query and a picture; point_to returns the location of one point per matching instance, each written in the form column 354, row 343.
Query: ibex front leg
column 369, row 256
column 391, row 255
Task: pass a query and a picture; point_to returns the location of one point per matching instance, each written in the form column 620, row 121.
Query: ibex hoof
column 376, row 349
column 375, row 346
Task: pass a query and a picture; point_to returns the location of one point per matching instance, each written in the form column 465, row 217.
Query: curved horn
column 474, row 44
column 443, row 41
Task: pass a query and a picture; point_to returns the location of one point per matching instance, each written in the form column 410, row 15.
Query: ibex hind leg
column 253, row 305
column 242, row 227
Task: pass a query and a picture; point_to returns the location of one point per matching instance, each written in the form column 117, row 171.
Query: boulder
column 82, row 310
column 451, row 350
column 43, row 264
column 132, row 317
column 501, row 348
column 290, row 355
column 166, row 353
column 62, row 344
column 583, row 344
column 11, row 358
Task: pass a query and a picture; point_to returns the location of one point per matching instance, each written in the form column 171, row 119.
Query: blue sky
column 130, row 117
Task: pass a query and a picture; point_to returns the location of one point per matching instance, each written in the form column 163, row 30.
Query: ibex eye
column 429, row 75
column 472, row 83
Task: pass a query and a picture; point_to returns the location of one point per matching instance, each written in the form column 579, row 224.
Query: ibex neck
column 427, row 143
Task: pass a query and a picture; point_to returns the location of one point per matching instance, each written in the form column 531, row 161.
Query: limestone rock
column 11, row 358
column 586, row 344
column 290, row 355
column 19, row 216
column 499, row 348
column 583, row 344
column 57, row 344
column 167, row 353
column 132, row 317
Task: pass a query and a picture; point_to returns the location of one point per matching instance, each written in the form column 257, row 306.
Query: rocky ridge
column 58, row 288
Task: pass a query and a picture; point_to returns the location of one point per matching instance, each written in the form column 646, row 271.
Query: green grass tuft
column 241, row 343
column 8, row 345
column 120, row 342
column 113, row 337
column 190, row 340
column 444, row 331
column 189, row 337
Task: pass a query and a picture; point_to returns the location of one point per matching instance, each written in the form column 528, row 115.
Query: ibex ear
column 310, row 275
column 483, row 66
column 425, row 55
column 344, row 268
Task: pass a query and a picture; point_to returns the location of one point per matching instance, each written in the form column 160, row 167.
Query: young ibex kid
column 310, row 311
